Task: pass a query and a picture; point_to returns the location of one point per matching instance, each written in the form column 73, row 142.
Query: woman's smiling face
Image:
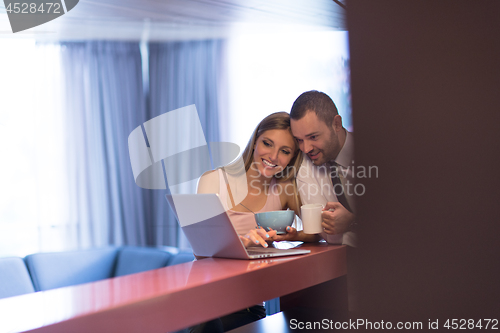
column 274, row 149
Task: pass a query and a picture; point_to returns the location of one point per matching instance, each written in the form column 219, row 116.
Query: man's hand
column 338, row 221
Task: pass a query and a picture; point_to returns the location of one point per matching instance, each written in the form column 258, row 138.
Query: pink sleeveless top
column 245, row 221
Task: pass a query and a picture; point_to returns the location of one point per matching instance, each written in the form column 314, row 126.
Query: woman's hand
column 291, row 234
column 256, row 237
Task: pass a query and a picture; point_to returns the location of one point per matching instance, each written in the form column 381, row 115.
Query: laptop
column 209, row 230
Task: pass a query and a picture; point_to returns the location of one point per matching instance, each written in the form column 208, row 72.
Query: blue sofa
column 44, row 271
column 14, row 278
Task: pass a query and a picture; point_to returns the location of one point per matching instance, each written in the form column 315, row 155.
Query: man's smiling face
column 315, row 138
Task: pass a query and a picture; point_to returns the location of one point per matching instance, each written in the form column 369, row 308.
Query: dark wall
column 426, row 112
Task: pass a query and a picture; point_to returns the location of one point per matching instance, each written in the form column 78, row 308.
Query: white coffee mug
column 311, row 218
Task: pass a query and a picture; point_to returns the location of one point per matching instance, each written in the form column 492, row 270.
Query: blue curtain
column 105, row 100
column 181, row 74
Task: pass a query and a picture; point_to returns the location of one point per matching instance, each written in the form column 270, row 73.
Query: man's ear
column 337, row 123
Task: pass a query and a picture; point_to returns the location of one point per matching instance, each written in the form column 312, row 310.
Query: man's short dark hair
column 316, row 101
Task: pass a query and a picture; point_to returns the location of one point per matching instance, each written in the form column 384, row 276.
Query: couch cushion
column 61, row 269
column 139, row 259
column 181, row 257
column 14, row 278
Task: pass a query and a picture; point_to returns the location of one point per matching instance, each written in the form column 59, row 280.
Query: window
column 267, row 72
column 32, row 148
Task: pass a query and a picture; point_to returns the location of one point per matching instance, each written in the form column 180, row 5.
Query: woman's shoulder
column 210, row 173
column 209, row 182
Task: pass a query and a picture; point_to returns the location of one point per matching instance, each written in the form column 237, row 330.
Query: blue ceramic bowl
column 278, row 220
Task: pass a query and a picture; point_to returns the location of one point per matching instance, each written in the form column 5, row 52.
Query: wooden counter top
column 170, row 298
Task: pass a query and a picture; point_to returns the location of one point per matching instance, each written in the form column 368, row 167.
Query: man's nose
column 306, row 147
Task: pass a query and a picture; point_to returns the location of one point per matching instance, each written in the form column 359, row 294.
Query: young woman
column 263, row 179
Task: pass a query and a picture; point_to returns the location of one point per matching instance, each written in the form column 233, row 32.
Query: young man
column 326, row 173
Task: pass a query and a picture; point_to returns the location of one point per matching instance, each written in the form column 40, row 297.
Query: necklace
column 247, row 208
column 258, row 224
